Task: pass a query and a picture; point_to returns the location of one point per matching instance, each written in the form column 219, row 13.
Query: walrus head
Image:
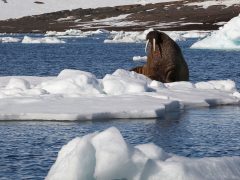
column 153, row 44
column 154, row 39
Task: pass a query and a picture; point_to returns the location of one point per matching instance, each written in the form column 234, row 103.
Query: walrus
column 165, row 61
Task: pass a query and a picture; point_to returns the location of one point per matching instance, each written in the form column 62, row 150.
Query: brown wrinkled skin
column 167, row 63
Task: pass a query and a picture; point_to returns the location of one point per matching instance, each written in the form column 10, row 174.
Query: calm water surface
column 29, row 148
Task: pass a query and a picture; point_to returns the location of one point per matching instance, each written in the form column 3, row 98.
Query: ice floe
column 140, row 58
column 140, row 37
column 9, row 40
column 127, row 37
column 106, row 155
column 79, row 95
column 75, row 33
column 227, row 37
column 37, row 40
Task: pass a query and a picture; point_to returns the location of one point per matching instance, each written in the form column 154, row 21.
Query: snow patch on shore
column 20, row 8
column 208, row 3
column 106, row 155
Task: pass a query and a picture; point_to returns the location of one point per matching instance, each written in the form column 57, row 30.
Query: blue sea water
column 29, row 148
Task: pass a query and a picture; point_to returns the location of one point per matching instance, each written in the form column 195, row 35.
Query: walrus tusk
column 146, row 46
column 154, row 45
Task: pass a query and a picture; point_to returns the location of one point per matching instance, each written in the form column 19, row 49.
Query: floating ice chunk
column 69, row 32
column 75, row 33
column 73, row 83
column 106, row 155
column 50, row 40
column 123, row 82
column 227, row 37
column 139, row 37
column 128, row 37
column 9, row 40
column 140, row 58
column 80, row 154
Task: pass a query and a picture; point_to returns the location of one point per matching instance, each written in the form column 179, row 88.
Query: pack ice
column 79, row 95
column 106, row 155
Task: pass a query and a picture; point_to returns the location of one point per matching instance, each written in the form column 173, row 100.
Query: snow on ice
column 75, row 33
column 140, row 37
column 49, row 40
column 9, row 40
column 106, row 155
column 227, row 37
column 78, row 95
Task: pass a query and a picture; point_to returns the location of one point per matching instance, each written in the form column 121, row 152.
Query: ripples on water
column 28, row 149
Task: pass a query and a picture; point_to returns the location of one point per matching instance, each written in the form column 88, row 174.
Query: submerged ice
column 79, row 95
column 106, row 155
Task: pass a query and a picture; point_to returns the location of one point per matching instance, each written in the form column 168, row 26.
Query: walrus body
column 165, row 61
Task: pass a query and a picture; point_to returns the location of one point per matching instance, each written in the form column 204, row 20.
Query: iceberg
column 106, row 155
column 227, row 37
column 79, row 95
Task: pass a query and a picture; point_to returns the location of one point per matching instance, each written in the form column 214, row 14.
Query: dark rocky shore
column 176, row 16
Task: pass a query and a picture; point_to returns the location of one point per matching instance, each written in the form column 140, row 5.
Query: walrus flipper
column 171, row 76
column 138, row 69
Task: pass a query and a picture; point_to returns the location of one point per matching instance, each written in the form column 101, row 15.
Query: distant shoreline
column 164, row 16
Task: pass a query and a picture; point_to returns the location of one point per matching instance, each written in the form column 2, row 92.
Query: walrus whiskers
column 154, row 45
column 146, row 46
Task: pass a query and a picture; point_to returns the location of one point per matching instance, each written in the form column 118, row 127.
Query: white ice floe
column 75, row 33
column 36, row 40
column 69, row 32
column 106, row 155
column 137, row 37
column 9, row 40
column 227, row 37
column 140, row 58
column 127, row 37
column 140, row 37
column 79, row 95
